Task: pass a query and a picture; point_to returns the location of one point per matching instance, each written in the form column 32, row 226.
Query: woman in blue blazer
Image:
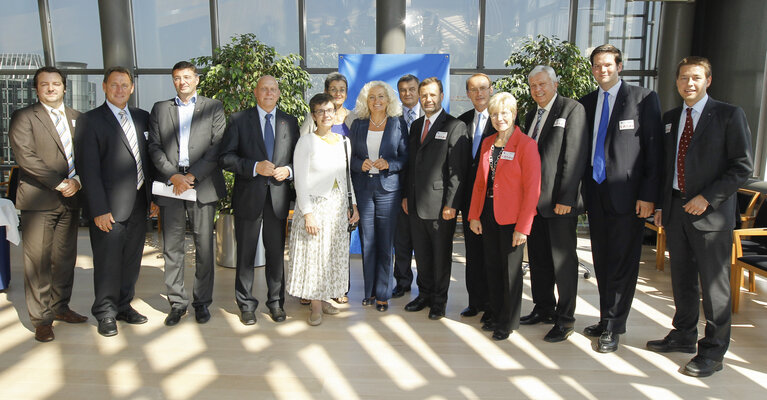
column 379, row 154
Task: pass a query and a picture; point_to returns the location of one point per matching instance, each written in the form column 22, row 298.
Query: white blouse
column 374, row 147
column 317, row 165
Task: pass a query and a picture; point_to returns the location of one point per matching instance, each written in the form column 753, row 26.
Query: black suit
column 633, row 162
column 563, row 146
column 476, row 278
column 259, row 199
column 435, row 179
column 108, row 173
column 205, row 133
column 717, row 163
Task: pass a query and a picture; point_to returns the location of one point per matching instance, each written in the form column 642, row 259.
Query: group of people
column 402, row 170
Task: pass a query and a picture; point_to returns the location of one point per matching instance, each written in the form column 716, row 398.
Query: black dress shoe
column 201, row 314
column 608, row 342
column 594, row 330
column 107, row 327
column 248, row 317
column 417, row 305
column 558, row 334
column 174, row 316
column 702, row 367
column 277, row 313
column 486, row 316
column 667, row 345
column 131, row 316
column 382, row 306
column 536, row 317
column 470, row 311
column 500, row 335
column 488, row 326
column 399, row 291
column 368, row 301
column 436, row 312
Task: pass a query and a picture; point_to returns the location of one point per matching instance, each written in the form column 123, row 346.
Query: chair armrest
column 738, row 233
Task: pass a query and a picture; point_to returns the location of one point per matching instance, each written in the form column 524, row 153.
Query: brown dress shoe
column 44, row 333
column 70, row 317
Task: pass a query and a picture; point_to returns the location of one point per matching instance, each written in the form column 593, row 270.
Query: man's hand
column 366, row 165
column 281, row 173
column 381, row 164
column 265, row 168
column 181, row 183
column 104, row 222
column 475, row 226
column 404, row 206
column 644, row 208
column 696, row 206
column 154, row 210
column 448, row 213
column 657, row 218
column 518, row 239
column 71, row 187
column 561, row 209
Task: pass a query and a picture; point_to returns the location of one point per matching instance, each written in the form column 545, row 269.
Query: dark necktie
column 538, row 124
column 269, row 136
column 684, row 144
column 599, row 172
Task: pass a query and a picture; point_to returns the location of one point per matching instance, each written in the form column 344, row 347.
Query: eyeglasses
column 328, row 111
column 336, row 91
column 477, row 90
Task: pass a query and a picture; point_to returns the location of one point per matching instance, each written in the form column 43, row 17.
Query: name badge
column 74, row 123
column 146, row 134
column 560, row 122
column 668, row 128
column 627, row 124
column 441, row 135
column 507, row 155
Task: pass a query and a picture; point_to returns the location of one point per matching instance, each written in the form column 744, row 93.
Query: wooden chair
column 754, row 263
column 660, row 243
column 12, row 184
column 749, row 204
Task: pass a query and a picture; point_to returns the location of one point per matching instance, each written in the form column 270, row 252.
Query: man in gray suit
column 184, row 136
column 707, row 158
column 48, row 196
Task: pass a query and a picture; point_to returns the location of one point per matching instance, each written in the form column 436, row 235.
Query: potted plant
column 230, row 75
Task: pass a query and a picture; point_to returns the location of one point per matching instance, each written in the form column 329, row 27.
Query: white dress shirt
column 598, row 113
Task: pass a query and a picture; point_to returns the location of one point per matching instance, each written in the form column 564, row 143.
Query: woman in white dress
column 319, row 242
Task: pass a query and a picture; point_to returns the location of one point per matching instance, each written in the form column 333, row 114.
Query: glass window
column 509, row 21
column 170, row 31
column 76, row 33
column 20, row 29
column 153, row 88
column 275, row 23
column 84, row 92
column 443, row 26
column 338, row 26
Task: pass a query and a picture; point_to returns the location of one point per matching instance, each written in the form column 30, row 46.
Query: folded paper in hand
column 161, row 189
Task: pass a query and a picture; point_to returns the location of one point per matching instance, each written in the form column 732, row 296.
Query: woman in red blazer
column 503, row 204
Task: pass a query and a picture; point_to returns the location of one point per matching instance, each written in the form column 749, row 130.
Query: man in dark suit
column 708, row 157
column 258, row 147
column 407, row 86
column 111, row 157
column 479, row 88
column 558, row 124
column 438, row 157
column 49, row 200
column 184, row 136
column 620, row 186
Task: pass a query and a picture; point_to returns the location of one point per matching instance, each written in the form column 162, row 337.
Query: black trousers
column 246, row 233
column 700, row 262
column 503, row 266
column 476, row 277
column 403, row 251
column 433, row 245
column 553, row 261
column 117, row 261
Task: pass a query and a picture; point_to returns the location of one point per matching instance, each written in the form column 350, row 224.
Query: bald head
column 267, row 93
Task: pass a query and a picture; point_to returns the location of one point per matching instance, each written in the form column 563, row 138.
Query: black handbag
column 353, row 226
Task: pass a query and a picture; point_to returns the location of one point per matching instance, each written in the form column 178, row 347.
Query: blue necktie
column 410, row 117
column 598, row 173
column 477, row 136
column 269, row 136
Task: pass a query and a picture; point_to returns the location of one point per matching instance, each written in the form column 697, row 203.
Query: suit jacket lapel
column 363, row 137
column 705, row 118
column 620, row 104
column 433, row 128
column 556, row 110
column 173, row 114
column 42, row 116
column 258, row 136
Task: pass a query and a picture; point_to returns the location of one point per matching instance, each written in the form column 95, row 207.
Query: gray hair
column 394, row 108
column 544, row 68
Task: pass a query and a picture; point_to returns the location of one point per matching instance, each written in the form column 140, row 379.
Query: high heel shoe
column 368, row 301
column 382, row 306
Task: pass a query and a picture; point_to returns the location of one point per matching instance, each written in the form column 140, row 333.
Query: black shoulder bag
column 353, row 226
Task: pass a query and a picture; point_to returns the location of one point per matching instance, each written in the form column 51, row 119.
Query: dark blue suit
column 378, row 201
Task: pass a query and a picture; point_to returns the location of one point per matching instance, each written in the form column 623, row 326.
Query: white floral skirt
column 318, row 268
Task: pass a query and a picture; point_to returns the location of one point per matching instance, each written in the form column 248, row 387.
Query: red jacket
column 517, row 182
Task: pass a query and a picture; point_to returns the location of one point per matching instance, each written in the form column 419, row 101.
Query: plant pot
column 226, row 245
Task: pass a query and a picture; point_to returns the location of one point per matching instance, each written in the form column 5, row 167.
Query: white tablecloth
column 9, row 218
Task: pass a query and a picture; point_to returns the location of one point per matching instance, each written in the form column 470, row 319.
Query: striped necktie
column 410, row 117
column 66, row 141
column 537, row 129
column 130, row 133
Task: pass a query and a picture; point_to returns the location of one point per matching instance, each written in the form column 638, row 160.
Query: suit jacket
column 564, row 151
column 517, row 182
column 242, row 146
column 393, row 149
column 104, row 160
column 436, row 171
column 41, row 157
column 633, row 155
column 207, row 130
column 718, row 162
column 468, row 119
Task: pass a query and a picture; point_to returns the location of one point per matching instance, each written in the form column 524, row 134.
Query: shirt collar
column 116, row 110
column 48, row 108
column 434, row 116
column 550, row 103
column 262, row 113
column 697, row 107
column 485, row 113
column 192, row 101
column 613, row 90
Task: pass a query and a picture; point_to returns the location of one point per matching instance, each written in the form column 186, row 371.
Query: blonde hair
column 393, row 109
column 502, row 100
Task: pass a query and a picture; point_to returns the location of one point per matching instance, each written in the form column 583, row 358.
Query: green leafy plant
column 573, row 69
column 231, row 73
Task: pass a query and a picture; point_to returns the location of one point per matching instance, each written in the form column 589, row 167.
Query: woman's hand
column 311, row 226
column 366, row 165
column 381, row 164
column 355, row 217
column 475, row 226
column 518, row 239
